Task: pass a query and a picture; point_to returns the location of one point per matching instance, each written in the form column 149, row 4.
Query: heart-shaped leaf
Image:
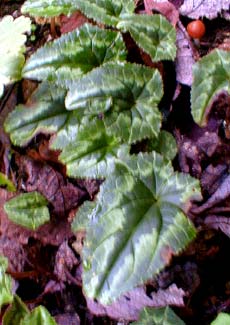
column 211, row 75
column 127, row 94
column 28, row 210
column 154, row 34
column 93, row 152
column 74, row 54
column 137, row 225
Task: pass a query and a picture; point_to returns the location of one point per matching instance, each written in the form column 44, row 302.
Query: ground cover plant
column 114, row 177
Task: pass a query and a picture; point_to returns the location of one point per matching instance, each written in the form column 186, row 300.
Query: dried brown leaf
column 204, row 8
column 129, row 306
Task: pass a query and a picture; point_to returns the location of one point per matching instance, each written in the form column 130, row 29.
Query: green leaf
column 127, row 94
column 38, row 316
column 5, row 182
column 103, row 11
column 93, row 152
column 107, row 12
column 12, row 40
column 5, row 283
column 46, row 113
column 15, row 313
column 81, row 220
column 138, row 224
column 211, row 75
column 154, row 34
column 158, row 316
column 51, row 8
column 28, row 210
column 74, row 54
column 165, row 144
column 222, row 319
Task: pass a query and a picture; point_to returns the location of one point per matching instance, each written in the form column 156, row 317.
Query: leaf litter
column 202, row 152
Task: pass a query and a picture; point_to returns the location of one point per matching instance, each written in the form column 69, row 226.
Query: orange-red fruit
column 196, row 29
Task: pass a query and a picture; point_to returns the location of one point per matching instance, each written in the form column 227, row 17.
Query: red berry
column 196, row 29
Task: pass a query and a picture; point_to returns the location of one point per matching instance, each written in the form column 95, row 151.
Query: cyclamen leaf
column 158, row 316
column 137, row 225
column 51, row 8
column 106, row 12
column 211, row 75
column 12, row 40
column 93, row 152
column 222, row 319
column 165, row 144
column 5, row 283
column 103, row 11
column 74, row 54
column 74, row 122
column 5, row 182
column 15, row 313
column 154, row 34
column 127, row 94
column 81, row 221
column 38, row 316
column 28, row 210
column 45, row 114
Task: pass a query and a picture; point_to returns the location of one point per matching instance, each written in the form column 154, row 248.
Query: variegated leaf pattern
column 211, row 75
column 93, row 152
column 137, row 225
column 72, row 55
column 154, row 34
column 28, row 210
column 127, row 95
column 103, row 11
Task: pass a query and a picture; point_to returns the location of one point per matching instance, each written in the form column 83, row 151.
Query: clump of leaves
column 99, row 105
column 12, row 40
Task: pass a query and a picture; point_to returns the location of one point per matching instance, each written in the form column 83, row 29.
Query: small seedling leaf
column 28, row 210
